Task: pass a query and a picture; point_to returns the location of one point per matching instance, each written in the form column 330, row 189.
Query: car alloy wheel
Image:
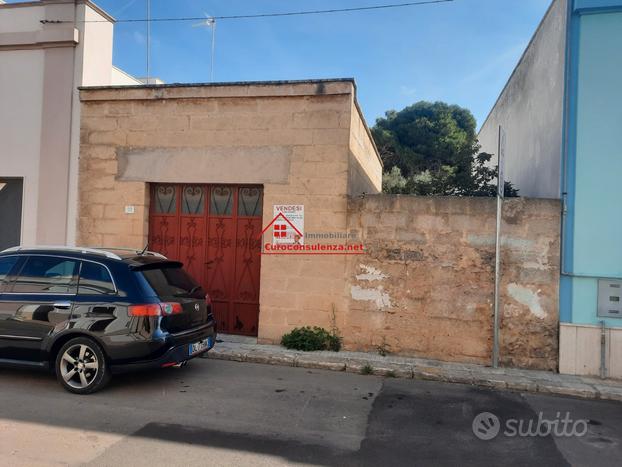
column 79, row 366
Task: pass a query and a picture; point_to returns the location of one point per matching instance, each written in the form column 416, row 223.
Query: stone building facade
column 302, row 143
column 197, row 170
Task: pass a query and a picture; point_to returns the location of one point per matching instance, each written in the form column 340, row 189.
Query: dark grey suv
column 87, row 313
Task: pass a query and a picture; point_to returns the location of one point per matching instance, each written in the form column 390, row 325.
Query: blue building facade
column 575, row 133
column 592, row 159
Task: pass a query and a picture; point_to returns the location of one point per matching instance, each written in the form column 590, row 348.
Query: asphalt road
column 226, row 413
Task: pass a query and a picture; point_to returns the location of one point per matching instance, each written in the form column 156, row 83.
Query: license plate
column 200, row 346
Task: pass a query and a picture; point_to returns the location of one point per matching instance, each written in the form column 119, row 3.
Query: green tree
column 431, row 148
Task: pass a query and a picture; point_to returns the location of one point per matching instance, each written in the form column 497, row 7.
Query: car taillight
column 155, row 309
column 171, row 308
column 208, row 300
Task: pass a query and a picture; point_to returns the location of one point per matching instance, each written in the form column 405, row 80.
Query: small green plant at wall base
column 390, row 374
column 367, row 370
column 310, row 338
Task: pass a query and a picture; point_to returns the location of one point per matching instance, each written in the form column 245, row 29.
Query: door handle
column 62, row 305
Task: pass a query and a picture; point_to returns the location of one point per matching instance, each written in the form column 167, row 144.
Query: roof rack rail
column 131, row 250
column 79, row 249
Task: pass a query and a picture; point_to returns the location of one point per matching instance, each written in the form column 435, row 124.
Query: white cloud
column 140, row 38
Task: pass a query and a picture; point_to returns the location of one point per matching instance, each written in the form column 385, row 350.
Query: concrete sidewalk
column 244, row 350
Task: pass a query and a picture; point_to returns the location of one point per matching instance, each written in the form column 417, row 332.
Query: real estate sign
column 289, row 224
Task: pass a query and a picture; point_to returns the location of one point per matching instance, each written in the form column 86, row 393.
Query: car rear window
column 172, row 281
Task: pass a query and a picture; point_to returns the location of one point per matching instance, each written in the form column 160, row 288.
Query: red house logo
column 283, row 229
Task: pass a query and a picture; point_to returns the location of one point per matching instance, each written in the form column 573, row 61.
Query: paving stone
column 227, row 354
column 520, row 384
column 311, row 360
column 271, row 358
column 612, row 383
column 576, row 390
column 494, row 382
column 434, row 373
column 397, row 370
column 605, row 392
column 380, row 366
column 459, row 376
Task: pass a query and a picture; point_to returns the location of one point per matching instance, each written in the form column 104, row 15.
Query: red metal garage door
column 214, row 230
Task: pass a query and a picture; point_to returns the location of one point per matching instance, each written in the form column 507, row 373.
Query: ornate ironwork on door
column 214, row 230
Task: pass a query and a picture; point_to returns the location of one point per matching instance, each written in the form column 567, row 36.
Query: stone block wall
column 291, row 138
column 426, row 287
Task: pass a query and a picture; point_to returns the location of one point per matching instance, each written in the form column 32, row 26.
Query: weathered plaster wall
column 426, row 286
column 530, row 110
column 293, row 138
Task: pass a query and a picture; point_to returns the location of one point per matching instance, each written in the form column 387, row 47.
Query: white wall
column 93, row 67
column 41, row 68
column 21, row 88
column 121, row 78
column 95, row 48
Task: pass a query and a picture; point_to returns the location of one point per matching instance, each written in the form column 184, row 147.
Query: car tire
column 81, row 366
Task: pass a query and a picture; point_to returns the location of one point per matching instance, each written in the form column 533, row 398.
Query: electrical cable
column 264, row 15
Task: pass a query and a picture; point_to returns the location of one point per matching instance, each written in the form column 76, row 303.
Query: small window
column 221, row 201
column 6, row 264
column 95, row 280
column 47, row 274
column 193, row 200
column 250, row 201
column 165, row 199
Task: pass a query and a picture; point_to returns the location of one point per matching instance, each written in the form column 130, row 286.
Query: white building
column 48, row 49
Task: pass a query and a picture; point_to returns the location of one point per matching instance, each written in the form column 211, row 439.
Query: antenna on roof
column 148, row 39
column 209, row 22
column 144, row 249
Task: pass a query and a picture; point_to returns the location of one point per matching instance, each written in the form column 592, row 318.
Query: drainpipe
column 565, row 137
column 71, row 208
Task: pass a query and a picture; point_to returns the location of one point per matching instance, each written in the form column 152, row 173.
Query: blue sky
column 460, row 52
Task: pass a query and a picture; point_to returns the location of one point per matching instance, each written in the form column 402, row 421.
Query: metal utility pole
column 210, row 22
column 211, row 70
column 148, row 40
column 500, row 194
